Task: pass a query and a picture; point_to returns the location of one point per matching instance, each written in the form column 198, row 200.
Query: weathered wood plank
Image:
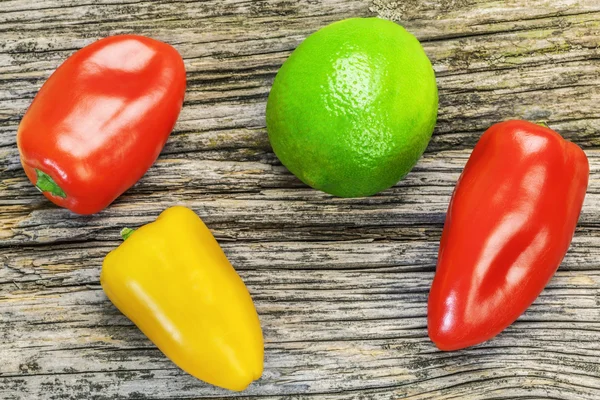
column 315, row 338
column 340, row 284
column 75, row 330
column 234, row 198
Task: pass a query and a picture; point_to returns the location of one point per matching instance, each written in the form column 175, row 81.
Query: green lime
column 353, row 107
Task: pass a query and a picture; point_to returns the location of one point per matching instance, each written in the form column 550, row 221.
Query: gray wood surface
column 340, row 284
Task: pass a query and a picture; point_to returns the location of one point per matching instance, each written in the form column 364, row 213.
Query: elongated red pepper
column 509, row 224
column 101, row 120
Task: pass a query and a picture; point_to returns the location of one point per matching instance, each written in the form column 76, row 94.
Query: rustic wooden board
column 340, row 284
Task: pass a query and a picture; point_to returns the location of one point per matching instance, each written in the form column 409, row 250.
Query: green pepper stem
column 542, row 123
column 126, row 232
column 45, row 183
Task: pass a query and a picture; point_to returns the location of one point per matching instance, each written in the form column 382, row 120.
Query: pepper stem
column 45, row 183
column 542, row 123
column 126, row 232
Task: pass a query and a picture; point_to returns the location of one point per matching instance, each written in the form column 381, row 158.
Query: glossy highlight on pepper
column 101, row 120
column 509, row 224
column 174, row 282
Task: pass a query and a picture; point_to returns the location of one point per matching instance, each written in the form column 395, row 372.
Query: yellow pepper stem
column 126, row 232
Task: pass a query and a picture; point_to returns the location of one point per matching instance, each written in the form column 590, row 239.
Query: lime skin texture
column 353, row 108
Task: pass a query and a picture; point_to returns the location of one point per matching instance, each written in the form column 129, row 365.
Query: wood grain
column 340, row 284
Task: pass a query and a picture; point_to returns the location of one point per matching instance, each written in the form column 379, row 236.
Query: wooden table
column 340, row 284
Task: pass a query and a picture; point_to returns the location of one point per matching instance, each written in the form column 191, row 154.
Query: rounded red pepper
column 101, row 120
column 509, row 224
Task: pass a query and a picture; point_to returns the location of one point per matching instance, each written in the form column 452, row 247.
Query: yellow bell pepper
column 173, row 281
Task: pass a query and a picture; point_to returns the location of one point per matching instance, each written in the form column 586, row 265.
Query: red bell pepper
column 101, row 120
column 509, row 224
